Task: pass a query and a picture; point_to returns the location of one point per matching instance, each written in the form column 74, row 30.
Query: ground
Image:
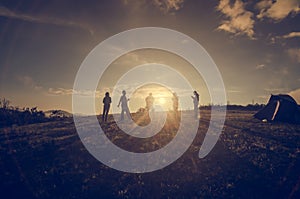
column 252, row 159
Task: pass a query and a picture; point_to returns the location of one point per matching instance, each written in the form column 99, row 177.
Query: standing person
column 123, row 101
column 149, row 102
column 196, row 103
column 106, row 106
column 175, row 102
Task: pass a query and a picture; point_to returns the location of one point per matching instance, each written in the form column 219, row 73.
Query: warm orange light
column 161, row 101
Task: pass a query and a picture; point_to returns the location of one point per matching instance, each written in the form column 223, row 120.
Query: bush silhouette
column 10, row 115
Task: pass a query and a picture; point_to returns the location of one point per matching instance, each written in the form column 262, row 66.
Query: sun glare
column 161, row 101
column 161, row 97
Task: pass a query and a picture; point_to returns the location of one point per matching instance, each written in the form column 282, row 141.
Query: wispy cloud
column 140, row 93
column 239, row 21
column 69, row 91
column 291, row 35
column 5, row 12
column 59, row 91
column 165, row 6
column 277, row 10
column 28, row 82
column 286, row 36
column 131, row 59
column 276, row 90
column 294, row 53
column 260, row 66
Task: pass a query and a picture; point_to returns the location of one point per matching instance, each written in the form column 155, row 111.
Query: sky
column 255, row 45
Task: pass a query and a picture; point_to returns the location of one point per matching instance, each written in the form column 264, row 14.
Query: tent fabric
column 281, row 108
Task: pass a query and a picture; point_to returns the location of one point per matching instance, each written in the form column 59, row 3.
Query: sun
column 161, row 100
column 162, row 97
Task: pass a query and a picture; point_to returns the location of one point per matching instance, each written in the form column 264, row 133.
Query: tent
column 282, row 108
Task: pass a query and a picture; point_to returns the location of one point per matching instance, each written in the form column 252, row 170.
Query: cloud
column 5, row 12
column 276, row 90
column 277, row 10
column 239, row 21
column 70, row 91
column 286, row 36
column 294, row 53
column 264, row 4
column 59, row 91
column 296, row 95
column 260, row 66
column 291, row 35
column 28, row 82
column 132, row 59
column 167, row 6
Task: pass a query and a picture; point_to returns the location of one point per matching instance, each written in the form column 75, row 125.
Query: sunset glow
column 162, row 97
column 254, row 45
column 161, row 101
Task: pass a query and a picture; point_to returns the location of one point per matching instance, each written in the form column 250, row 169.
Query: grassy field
column 252, row 159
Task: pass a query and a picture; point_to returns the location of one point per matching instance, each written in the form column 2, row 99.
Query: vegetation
column 10, row 115
column 249, row 107
column 252, row 159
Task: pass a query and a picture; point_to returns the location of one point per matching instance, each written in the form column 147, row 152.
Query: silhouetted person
column 106, row 106
column 123, row 101
column 149, row 102
column 175, row 102
column 196, row 103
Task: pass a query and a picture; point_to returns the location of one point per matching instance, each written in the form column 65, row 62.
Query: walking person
column 149, row 102
column 106, row 106
column 196, row 103
column 175, row 105
column 175, row 102
column 124, row 105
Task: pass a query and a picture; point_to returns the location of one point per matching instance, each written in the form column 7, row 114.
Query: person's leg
column 106, row 113
column 196, row 111
column 128, row 114
column 122, row 114
column 103, row 113
column 152, row 108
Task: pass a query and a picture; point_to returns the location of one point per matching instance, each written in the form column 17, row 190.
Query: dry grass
column 251, row 160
